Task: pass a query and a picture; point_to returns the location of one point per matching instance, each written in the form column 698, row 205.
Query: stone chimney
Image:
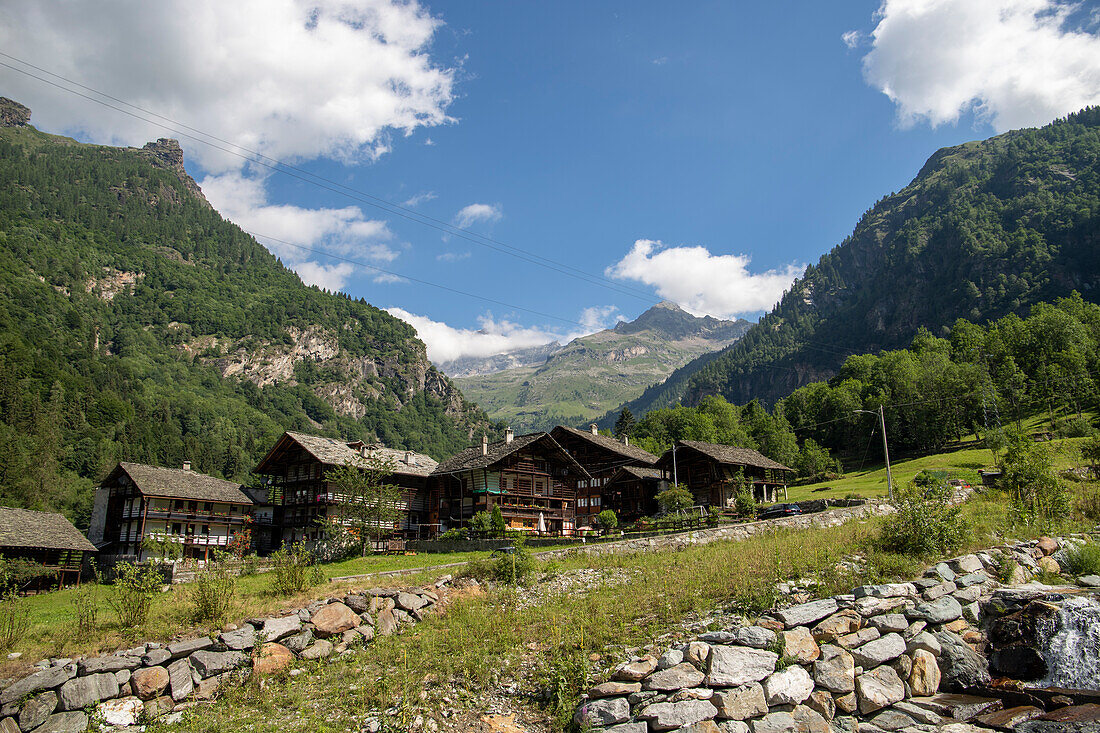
column 408, row 458
column 593, row 429
column 626, row 440
column 187, row 465
column 509, row 435
column 364, row 451
column 484, row 445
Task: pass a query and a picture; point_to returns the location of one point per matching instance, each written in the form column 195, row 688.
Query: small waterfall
column 1070, row 643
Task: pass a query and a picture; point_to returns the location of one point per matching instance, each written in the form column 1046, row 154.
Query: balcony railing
column 183, row 515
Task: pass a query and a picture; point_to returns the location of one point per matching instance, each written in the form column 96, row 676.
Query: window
column 208, row 507
column 595, row 501
column 206, row 529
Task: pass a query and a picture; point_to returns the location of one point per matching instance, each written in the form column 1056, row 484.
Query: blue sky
column 702, row 152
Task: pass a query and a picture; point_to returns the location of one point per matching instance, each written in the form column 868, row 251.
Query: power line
column 314, row 179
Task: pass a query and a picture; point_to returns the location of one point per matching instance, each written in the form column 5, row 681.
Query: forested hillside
column 985, row 229
column 137, row 324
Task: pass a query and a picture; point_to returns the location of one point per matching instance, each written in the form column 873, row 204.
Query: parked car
column 780, row 510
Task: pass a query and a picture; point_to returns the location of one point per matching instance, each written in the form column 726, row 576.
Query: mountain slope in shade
column 985, row 229
column 589, row 375
column 137, row 324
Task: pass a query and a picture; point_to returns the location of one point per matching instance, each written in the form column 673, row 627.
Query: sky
column 503, row 174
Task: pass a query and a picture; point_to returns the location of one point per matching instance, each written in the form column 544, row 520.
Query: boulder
column 943, row 571
column 718, row 637
column 318, row 650
column 189, row 646
column 387, row 622
column 410, row 602
column 110, row 663
column 275, row 629
column 674, row 678
column 822, row 702
column 161, row 705
column 37, row 709
column 846, row 703
column 597, row 713
column 885, row 590
column 615, row 689
column 8, row 725
column 335, row 618
column 150, row 682
column 732, row 666
column 924, row 677
column 879, row 651
column 240, row 640
column 179, row 679
column 808, row 720
column 807, row 613
column 209, row 664
column 47, row 679
column 207, row 689
column 861, row 637
column 939, row 611
column 799, row 643
column 1047, row 545
column 671, row 715
column 273, row 657
column 891, row 719
column 966, row 564
column 124, row 711
column 939, row 591
column 741, row 703
column 81, row 691
column 960, row 666
column 973, row 579
column 889, row 622
column 670, row 658
column 156, row 657
column 1050, row 565
column 299, row 641
column 73, row 722
column 357, row 602
column 872, row 606
column 879, row 688
column 925, row 641
column 364, row 631
column 756, row 637
column 780, row 722
column 968, row 595
column 789, row 686
column 636, row 670
column 696, row 653
column 835, row 670
column 839, row 624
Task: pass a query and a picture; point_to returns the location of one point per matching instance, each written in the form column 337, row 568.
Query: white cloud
column 660, row 61
column 851, row 38
column 701, row 282
column 385, row 278
column 291, row 79
column 1014, row 63
column 468, row 215
column 494, row 337
column 420, row 198
column 453, row 256
column 343, row 231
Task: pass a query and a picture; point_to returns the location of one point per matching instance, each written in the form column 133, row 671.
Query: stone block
column 879, row 688
column 37, row 709
column 799, row 643
column 741, row 703
column 674, row 678
column 150, row 682
column 190, row 646
column 835, row 670
column 790, row 686
column 335, row 618
column 672, row 715
column 805, row 614
column 733, row 666
column 604, row 712
column 81, row 691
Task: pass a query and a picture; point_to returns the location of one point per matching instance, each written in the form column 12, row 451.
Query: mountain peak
column 672, row 321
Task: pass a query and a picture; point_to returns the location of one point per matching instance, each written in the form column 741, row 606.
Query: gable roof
column 176, row 483
column 471, row 458
column 731, row 455
column 610, row 444
column 642, row 472
column 335, row 452
column 31, row 529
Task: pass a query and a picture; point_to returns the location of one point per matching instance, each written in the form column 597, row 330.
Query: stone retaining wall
column 878, row 659
column 154, row 679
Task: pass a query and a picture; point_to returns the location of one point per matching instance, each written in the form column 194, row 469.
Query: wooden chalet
column 710, row 471
column 532, row 478
column 45, row 538
column 136, row 501
column 603, row 456
column 297, row 466
column 632, row 491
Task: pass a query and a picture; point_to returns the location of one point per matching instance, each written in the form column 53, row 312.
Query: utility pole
column 885, row 449
column 675, row 478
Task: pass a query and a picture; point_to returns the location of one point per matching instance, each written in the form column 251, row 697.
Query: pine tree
column 624, row 426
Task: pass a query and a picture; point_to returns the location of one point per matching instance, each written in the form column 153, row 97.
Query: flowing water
column 1070, row 644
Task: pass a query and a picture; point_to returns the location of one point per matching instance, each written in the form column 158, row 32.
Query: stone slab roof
column 177, row 483
column 472, row 459
column 644, row 472
column 36, row 530
column 730, row 455
column 334, row 452
column 611, row 444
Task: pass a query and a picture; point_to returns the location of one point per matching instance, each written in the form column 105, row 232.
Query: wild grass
column 1082, row 559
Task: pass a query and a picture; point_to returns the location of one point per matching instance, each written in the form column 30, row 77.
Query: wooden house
column 603, row 456
column 135, row 501
column 530, row 477
column 296, row 469
column 711, row 472
column 45, row 538
column 632, row 492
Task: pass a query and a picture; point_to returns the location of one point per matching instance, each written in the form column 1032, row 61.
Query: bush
column 607, row 519
column 562, row 679
column 925, row 524
column 211, row 595
column 132, row 593
column 1082, row 559
column 86, row 609
column 1027, row 474
column 14, row 614
column 675, row 499
column 1073, row 427
column 744, row 503
column 291, row 567
column 455, row 533
column 513, row 568
column 1087, row 503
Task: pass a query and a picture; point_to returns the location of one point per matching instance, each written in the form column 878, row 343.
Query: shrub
column 562, row 679
column 1073, row 427
column 745, row 503
column 607, row 519
column 14, row 614
column 1027, row 474
column 1082, row 559
column 290, row 570
column 675, row 499
column 86, row 609
column 1087, row 503
column 512, row 568
column 455, row 533
column 132, row 593
column 1004, row 568
column 211, row 595
column 925, row 523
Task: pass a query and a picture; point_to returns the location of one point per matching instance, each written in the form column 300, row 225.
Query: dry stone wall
column 882, row 658
column 154, row 680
